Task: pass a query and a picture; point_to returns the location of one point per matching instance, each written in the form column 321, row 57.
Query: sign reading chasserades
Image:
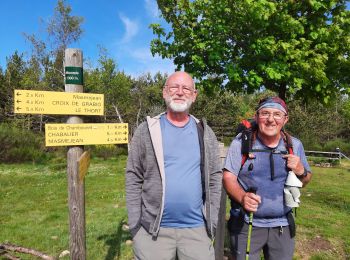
column 85, row 134
column 58, row 103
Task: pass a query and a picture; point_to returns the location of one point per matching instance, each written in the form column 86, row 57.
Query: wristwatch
column 304, row 174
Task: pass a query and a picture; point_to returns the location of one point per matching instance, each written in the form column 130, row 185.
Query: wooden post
column 221, row 226
column 339, row 154
column 76, row 192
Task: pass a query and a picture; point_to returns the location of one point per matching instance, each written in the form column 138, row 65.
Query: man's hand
column 294, row 163
column 250, row 202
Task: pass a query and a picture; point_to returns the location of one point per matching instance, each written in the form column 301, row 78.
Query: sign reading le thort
column 58, row 103
column 85, row 134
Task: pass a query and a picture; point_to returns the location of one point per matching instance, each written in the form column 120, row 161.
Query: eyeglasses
column 185, row 89
column 275, row 115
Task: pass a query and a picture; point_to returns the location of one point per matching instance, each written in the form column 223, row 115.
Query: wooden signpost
column 73, row 134
column 76, row 188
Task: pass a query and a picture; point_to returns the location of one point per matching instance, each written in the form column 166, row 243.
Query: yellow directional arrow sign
column 85, row 134
column 58, row 103
column 83, row 164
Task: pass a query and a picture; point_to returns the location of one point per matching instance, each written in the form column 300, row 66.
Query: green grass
column 34, row 211
column 323, row 218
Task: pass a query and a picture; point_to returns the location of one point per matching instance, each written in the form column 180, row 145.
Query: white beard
column 178, row 107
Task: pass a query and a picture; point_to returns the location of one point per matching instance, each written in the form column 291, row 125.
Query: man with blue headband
column 256, row 185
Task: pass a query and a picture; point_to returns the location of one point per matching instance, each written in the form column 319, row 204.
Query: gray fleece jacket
column 145, row 177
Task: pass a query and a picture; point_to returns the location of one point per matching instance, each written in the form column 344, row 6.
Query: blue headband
column 272, row 105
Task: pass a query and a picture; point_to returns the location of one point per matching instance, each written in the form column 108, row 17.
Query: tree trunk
column 282, row 91
column 138, row 114
column 118, row 114
column 41, row 123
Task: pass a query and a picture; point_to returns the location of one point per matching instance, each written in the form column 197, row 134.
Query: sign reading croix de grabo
column 74, row 75
column 86, row 134
column 58, row 103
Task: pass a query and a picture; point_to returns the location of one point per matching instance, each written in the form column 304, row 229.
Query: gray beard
column 178, row 107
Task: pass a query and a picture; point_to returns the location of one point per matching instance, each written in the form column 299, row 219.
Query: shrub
column 312, row 146
column 342, row 144
column 19, row 145
column 323, row 161
column 108, row 150
column 58, row 163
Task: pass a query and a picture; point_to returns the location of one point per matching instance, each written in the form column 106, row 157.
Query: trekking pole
column 252, row 190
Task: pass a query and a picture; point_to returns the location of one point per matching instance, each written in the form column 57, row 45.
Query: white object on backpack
column 292, row 190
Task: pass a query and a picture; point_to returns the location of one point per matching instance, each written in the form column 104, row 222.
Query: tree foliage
column 126, row 99
column 294, row 48
column 12, row 78
column 212, row 58
column 317, row 124
column 62, row 29
column 44, row 69
column 114, row 84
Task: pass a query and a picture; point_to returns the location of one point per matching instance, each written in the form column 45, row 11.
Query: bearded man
column 173, row 180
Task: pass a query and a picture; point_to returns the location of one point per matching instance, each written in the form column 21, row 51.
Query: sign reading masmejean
column 85, row 134
column 58, row 103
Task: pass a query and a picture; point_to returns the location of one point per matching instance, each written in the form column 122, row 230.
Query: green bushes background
column 319, row 127
column 19, row 145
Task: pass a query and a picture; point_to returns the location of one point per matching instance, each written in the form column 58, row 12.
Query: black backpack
column 248, row 129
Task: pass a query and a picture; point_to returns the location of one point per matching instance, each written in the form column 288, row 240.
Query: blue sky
column 120, row 26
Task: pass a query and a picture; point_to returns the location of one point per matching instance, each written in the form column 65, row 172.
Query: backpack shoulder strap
column 248, row 138
column 287, row 138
